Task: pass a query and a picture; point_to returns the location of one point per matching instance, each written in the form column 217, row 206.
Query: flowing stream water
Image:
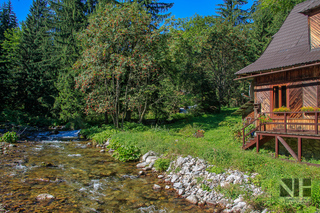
column 81, row 179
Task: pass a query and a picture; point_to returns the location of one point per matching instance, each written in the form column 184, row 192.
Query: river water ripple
column 81, row 180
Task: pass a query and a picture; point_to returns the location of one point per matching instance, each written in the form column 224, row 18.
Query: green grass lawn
column 219, row 147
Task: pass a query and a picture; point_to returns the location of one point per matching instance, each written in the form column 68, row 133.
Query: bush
column 315, row 193
column 162, row 164
column 126, row 152
column 101, row 137
column 10, row 137
column 134, row 127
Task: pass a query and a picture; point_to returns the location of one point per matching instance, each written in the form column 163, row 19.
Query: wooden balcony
column 300, row 125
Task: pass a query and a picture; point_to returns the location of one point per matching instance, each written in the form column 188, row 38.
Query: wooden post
column 285, row 122
column 316, row 123
column 299, row 149
column 277, row 147
column 243, row 138
column 257, row 142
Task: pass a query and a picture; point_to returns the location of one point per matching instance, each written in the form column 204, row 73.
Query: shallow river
column 81, row 180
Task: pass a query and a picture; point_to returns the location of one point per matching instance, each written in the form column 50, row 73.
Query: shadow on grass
column 207, row 121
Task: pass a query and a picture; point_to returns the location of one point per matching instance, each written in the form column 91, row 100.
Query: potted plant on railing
column 281, row 110
column 309, row 110
column 265, row 119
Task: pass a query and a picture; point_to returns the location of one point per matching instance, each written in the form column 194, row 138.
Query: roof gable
column 290, row 45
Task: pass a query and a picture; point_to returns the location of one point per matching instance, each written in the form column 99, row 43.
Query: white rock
column 265, row 211
column 151, row 159
column 142, row 165
column 177, row 185
column 167, row 187
column 156, row 187
column 102, row 150
column 180, row 191
column 150, row 153
column 174, row 178
column 192, row 199
column 44, row 197
column 160, row 176
column 240, row 205
column 238, row 200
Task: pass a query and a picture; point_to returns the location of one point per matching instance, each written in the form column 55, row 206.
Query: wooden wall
column 314, row 28
column 303, row 89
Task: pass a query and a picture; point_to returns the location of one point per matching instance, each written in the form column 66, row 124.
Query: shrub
column 123, row 152
column 10, row 137
column 236, row 130
column 189, row 130
column 162, row 164
column 265, row 119
column 315, row 193
column 101, row 137
column 134, row 127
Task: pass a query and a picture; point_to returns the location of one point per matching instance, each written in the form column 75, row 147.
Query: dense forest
column 82, row 61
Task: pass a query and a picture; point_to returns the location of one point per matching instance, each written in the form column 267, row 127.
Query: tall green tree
column 8, row 21
column 231, row 12
column 69, row 19
column 36, row 50
column 117, row 67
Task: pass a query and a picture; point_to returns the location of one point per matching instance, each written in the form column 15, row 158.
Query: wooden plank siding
column 295, row 98
column 314, row 28
column 262, row 95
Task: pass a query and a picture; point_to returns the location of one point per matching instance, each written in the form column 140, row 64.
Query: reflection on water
column 81, row 180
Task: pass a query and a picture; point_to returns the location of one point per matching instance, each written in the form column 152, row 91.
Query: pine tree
column 231, row 11
column 36, row 49
column 70, row 18
column 8, row 21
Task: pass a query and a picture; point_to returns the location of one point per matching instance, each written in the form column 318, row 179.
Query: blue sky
column 181, row 8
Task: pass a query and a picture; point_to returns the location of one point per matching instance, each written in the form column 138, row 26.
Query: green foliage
column 124, row 152
column 231, row 191
column 205, row 187
column 119, row 45
column 315, row 193
column 265, row 119
column 9, row 137
column 102, row 137
column 215, row 169
column 189, row 130
column 162, row 164
column 282, row 109
column 309, row 109
column 134, row 127
column 199, row 179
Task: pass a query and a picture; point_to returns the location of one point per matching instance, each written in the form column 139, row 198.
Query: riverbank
column 219, row 148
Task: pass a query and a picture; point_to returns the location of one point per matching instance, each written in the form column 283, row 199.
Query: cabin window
column 279, row 96
column 314, row 29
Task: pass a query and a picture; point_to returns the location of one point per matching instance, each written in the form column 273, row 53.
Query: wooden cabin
column 286, row 75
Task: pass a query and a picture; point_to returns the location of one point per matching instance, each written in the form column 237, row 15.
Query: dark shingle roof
column 312, row 4
column 290, row 45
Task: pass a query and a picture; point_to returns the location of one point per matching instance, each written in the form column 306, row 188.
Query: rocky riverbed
column 191, row 179
column 73, row 176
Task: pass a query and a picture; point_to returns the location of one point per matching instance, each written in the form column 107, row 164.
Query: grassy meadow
column 219, row 147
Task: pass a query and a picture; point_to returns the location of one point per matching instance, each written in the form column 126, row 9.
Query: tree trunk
column 106, row 119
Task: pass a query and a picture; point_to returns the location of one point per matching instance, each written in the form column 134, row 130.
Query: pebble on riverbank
column 44, row 197
column 193, row 182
